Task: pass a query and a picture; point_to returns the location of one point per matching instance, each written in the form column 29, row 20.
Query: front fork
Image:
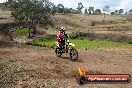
column 66, row 48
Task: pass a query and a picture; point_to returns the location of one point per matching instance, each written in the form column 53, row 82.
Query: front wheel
column 58, row 52
column 81, row 80
column 74, row 54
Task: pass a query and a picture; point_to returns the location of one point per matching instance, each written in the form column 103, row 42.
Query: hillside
column 110, row 27
column 84, row 22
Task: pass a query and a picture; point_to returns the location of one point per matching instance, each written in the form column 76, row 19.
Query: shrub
column 77, row 35
column 21, row 31
column 73, row 35
column 111, row 21
column 53, row 46
column 93, row 23
column 129, row 42
column 49, row 44
column 47, row 38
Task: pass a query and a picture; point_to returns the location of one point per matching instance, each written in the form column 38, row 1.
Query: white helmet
column 62, row 29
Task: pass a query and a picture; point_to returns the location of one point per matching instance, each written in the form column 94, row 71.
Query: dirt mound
column 41, row 31
column 5, row 44
column 106, row 36
column 109, row 37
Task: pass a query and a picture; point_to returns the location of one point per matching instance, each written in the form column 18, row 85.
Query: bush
column 47, row 38
column 77, row 35
column 21, row 31
column 73, row 35
column 93, row 23
column 53, row 46
column 129, row 42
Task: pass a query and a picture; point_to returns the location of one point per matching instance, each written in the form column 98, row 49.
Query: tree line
column 39, row 12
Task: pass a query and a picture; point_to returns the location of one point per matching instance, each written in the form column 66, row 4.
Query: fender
column 71, row 44
column 57, row 44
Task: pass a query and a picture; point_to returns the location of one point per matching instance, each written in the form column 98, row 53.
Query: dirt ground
column 41, row 67
column 38, row 67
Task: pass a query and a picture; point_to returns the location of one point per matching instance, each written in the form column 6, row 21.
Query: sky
column 114, row 4
column 98, row 4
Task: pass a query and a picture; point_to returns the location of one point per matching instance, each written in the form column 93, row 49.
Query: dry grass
column 5, row 14
column 83, row 23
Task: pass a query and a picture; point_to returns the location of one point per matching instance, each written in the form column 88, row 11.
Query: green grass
column 50, row 42
column 21, row 31
column 92, row 44
column 46, row 41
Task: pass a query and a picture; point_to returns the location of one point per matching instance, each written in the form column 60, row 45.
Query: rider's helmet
column 62, row 30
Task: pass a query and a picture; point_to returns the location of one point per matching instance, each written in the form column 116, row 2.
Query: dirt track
column 41, row 65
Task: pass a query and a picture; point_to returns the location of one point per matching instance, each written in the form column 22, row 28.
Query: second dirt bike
column 68, row 48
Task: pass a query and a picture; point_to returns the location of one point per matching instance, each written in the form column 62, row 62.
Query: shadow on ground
column 68, row 58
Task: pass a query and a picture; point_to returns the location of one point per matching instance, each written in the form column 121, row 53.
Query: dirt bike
column 68, row 48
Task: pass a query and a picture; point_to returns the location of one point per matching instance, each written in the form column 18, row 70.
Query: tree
column 60, row 8
column 126, row 13
column 112, row 13
column 121, row 11
column 116, row 12
column 74, row 11
column 91, row 10
column 66, row 11
column 3, row 6
column 53, row 10
column 130, row 11
column 71, row 10
column 32, row 12
column 97, row 12
column 86, row 11
column 80, row 7
column 106, row 9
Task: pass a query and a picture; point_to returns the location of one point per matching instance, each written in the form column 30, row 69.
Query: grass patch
column 49, row 41
column 94, row 44
column 21, row 31
column 50, row 44
column 46, row 41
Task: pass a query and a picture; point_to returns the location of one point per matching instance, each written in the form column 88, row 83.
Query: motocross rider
column 61, row 36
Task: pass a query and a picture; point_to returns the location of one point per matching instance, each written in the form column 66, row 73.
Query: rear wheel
column 58, row 52
column 74, row 54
